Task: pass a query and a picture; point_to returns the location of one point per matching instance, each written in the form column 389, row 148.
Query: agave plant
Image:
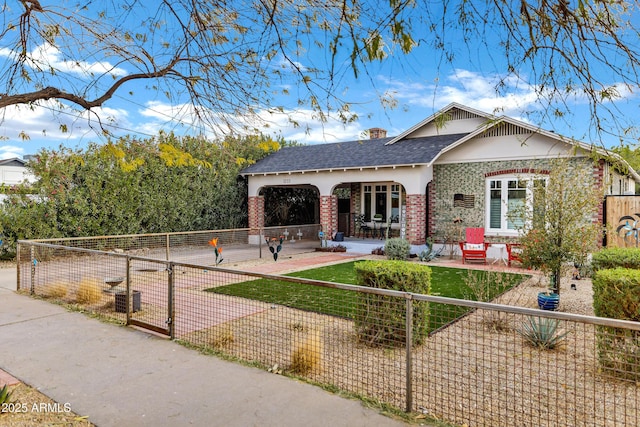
column 542, row 332
column 5, row 395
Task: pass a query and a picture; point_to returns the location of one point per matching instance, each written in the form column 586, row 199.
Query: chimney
column 375, row 133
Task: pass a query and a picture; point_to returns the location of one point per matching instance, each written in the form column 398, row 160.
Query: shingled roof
column 353, row 154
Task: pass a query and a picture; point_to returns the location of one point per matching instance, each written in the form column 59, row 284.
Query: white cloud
column 471, row 89
column 10, row 152
column 45, row 124
column 47, row 55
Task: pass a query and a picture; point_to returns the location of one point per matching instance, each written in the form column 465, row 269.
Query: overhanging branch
column 55, row 93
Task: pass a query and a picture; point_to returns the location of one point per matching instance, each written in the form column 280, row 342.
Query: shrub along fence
column 466, row 372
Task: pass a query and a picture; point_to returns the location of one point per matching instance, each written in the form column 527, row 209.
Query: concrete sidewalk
column 119, row 376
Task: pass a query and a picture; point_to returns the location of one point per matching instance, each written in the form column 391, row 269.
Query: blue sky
column 418, row 86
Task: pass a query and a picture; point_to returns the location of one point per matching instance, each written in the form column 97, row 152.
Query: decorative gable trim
column 459, row 114
column 519, row 171
column 505, row 129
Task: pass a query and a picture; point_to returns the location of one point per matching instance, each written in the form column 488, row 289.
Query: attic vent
column 457, row 114
column 505, row 129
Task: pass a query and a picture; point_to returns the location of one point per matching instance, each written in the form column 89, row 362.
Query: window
column 509, row 194
column 382, row 199
column 366, row 201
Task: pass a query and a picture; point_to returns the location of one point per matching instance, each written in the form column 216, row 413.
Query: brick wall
column 329, row 214
column 416, row 218
column 256, row 211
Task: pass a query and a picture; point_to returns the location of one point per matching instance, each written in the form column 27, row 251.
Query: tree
column 131, row 186
column 561, row 227
column 225, row 62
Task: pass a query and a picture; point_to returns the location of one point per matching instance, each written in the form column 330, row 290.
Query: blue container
column 548, row 301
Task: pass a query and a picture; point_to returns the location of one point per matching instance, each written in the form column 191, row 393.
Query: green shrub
column 397, row 249
column 616, row 294
column 383, row 318
column 616, row 257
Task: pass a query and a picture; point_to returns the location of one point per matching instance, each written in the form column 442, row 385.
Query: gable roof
column 368, row 153
column 438, row 114
column 12, row 162
column 407, row 149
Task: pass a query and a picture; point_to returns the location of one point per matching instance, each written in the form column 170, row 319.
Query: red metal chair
column 513, row 253
column 474, row 248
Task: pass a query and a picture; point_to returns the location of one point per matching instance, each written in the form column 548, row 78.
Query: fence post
column 409, row 346
column 260, row 243
column 33, row 270
column 128, row 290
column 170, row 297
column 167, row 239
column 18, row 266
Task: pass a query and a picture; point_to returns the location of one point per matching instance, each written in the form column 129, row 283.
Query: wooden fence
column 622, row 218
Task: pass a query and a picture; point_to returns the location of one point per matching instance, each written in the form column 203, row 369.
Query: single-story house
column 12, row 172
column 459, row 166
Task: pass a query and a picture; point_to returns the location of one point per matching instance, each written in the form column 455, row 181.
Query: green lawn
column 448, row 282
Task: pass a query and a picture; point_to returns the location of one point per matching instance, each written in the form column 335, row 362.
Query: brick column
column 256, row 218
column 416, row 218
column 355, row 206
column 431, row 220
column 598, row 178
column 329, row 214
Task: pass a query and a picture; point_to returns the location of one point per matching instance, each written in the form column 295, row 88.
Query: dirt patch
column 28, row 407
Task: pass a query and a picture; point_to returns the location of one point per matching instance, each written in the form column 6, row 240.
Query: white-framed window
column 508, row 193
column 384, row 199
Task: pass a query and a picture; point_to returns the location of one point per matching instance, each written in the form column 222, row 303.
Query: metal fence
column 240, row 244
column 474, row 366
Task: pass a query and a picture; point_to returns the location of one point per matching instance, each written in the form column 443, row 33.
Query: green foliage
column 542, row 332
column 383, row 318
column 560, row 227
column 616, row 257
column 5, row 394
column 397, row 249
column 616, row 294
column 129, row 186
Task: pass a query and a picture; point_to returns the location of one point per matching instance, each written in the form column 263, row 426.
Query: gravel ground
column 477, row 371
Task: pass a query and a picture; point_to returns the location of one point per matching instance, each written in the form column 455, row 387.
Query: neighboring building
column 13, row 171
column 458, row 165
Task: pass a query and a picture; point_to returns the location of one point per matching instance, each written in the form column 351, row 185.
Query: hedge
column 383, row 318
column 616, row 294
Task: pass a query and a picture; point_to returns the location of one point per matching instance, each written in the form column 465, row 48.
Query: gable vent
column 505, row 129
column 457, row 114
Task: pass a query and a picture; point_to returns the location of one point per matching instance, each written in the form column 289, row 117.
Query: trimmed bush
column 616, row 257
column 383, row 318
column 616, row 294
column 397, row 249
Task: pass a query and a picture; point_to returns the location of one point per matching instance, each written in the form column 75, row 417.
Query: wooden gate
column 622, row 219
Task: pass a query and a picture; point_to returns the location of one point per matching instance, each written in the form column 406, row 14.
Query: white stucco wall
column 413, row 179
column 512, row 147
column 11, row 175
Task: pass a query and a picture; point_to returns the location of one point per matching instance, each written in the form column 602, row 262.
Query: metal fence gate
column 149, row 289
